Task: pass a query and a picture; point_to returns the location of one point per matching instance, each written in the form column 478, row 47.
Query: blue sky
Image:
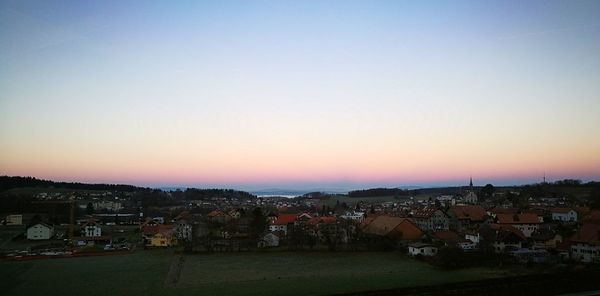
column 300, row 93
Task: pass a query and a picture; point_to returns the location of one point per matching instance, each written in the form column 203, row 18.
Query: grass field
column 271, row 273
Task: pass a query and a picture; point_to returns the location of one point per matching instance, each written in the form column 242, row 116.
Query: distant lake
column 278, row 195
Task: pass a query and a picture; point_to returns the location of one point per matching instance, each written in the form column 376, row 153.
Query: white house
column 268, row 240
column 91, row 229
column 356, row 216
column 422, row 249
column 585, row 244
column 40, row 231
column 564, row 215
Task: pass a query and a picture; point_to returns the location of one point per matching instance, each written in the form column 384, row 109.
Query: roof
column 325, row 219
column 589, row 234
column 420, row 245
column 593, row 217
column 182, row 216
column 561, row 210
column 285, row 219
column 503, row 232
column 447, row 236
column 470, row 212
column 215, row 213
column 504, row 211
column 90, row 222
column 47, row 225
column 524, row 218
column 383, row 225
column 424, row 213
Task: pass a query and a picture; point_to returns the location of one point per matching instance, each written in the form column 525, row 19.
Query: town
column 448, row 227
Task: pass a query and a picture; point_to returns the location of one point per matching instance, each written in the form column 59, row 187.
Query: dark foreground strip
column 585, row 282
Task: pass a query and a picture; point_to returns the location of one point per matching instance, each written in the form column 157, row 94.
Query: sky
column 300, row 94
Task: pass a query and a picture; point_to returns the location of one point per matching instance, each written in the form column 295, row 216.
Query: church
column 470, row 197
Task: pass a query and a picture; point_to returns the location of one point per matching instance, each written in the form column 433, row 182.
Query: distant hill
column 7, row 183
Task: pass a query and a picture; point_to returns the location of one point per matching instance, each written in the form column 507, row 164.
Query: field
column 155, row 272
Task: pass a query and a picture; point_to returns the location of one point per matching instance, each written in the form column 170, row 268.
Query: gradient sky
column 300, row 94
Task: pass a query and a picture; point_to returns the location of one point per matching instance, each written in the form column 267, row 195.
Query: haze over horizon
column 300, row 95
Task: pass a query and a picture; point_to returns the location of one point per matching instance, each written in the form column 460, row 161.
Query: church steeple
column 471, row 184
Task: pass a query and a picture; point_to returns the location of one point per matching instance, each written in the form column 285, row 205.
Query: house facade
column 528, row 223
column 422, row 249
column 564, row 215
column 40, row 231
column 91, row 229
column 431, row 219
column 585, row 244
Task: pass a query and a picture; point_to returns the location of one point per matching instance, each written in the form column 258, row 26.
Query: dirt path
column 175, row 271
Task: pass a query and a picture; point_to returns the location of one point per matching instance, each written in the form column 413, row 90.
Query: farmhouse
column 281, row 223
column 268, row 240
column 40, row 231
column 466, row 217
column 91, row 229
column 528, row 223
column 585, row 244
column 564, row 214
column 394, row 227
column 431, row 219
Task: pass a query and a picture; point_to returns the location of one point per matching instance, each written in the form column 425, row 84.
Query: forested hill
column 7, row 183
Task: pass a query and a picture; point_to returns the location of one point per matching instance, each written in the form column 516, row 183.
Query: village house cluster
column 544, row 230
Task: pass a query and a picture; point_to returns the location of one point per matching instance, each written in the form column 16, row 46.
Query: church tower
column 471, row 197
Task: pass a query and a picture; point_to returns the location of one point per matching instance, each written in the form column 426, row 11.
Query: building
column 356, row 216
column 393, row 227
column 503, row 238
column 422, row 249
column 564, row 214
column 282, row 223
column 40, row 231
column 585, row 244
column 159, row 235
column 431, row 219
column 470, row 197
column 466, row 217
column 13, row 220
column 527, row 223
column 91, row 229
column 268, row 240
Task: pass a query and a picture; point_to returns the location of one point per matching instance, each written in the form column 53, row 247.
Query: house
column 431, row 219
column 585, row 244
column 466, row 217
column 40, row 231
column 235, row 214
column 447, row 238
column 503, row 237
column 422, row 249
column 268, row 240
column 355, row 216
column 564, row 214
column 159, row 236
column 218, row 217
column 13, row 220
column 546, row 239
column 528, row 223
column 282, row 222
column 183, row 227
column 91, row 229
column 395, row 228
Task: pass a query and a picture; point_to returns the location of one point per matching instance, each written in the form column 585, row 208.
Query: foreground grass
column 272, row 273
